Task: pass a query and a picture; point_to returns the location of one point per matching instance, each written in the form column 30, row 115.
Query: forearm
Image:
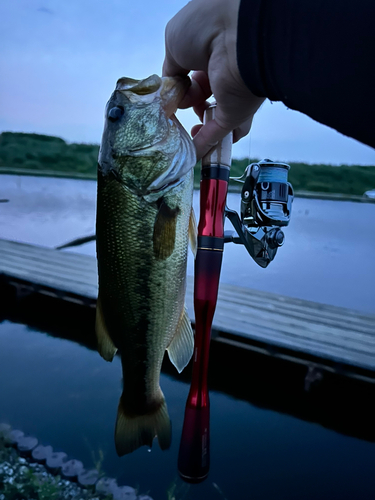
column 315, row 56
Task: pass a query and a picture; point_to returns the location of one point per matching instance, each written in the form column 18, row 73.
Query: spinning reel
column 266, row 204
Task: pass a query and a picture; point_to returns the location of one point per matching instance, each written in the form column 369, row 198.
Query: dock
column 322, row 337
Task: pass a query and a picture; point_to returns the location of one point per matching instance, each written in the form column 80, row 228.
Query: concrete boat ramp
column 322, row 337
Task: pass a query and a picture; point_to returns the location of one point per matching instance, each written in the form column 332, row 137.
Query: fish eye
column 115, row 113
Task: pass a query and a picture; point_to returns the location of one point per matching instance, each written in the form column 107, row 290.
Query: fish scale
column 142, row 240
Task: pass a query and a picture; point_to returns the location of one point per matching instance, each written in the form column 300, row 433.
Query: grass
column 20, row 481
column 50, row 155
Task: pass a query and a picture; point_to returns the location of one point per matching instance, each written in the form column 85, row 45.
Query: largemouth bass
column 144, row 218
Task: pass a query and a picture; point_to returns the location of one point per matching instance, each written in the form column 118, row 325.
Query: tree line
column 44, row 153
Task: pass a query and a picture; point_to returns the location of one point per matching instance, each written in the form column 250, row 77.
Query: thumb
column 208, row 137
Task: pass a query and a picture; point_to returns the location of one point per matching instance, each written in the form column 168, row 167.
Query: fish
column 144, row 223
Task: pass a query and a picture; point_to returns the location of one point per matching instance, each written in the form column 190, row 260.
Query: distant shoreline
column 46, row 173
column 45, row 155
column 232, row 189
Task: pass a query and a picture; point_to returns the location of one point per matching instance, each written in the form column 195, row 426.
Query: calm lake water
column 67, row 396
column 269, row 439
column 327, row 256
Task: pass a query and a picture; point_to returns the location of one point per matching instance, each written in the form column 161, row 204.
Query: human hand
column 202, row 37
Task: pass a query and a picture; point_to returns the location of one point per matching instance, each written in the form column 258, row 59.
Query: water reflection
column 263, row 425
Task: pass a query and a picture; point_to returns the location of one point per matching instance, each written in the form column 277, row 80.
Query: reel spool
column 266, row 197
column 266, row 205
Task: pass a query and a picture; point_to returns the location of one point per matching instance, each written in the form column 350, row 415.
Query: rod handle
column 194, row 454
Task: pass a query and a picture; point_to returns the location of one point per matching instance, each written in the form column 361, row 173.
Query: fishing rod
column 266, row 203
column 194, row 454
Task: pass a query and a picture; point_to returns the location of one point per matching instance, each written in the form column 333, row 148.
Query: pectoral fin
column 106, row 348
column 193, row 232
column 180, row 350
column 164, row 236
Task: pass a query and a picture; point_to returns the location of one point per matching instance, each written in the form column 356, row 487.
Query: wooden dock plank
column 32, row 265
column 352, row 353
column 273, row 301
column 294, row 326
column 308, row 314
column 64, row 271
column 306, row 328
column 59, row 273
column 328, row 335
column 277, row 328
column 269, row 301
column 48, row 257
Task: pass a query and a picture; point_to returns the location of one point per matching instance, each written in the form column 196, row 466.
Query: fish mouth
column 170, row 90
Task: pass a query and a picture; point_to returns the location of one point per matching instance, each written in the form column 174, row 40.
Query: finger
column 200, row 108
column 198, row 91
column 208, row 137
column 239, row 124
column 195, row 129
column 203, row 81
column 170, row 65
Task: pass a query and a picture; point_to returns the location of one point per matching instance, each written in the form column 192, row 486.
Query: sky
column 60, row 60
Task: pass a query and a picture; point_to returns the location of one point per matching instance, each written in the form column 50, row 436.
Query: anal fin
column 106, row 348
column 181, row 348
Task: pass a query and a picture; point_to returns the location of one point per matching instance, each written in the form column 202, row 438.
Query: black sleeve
column 316, row 56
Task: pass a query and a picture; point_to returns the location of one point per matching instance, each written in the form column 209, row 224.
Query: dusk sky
column 60, row 60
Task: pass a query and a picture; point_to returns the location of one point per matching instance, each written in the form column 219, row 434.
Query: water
column 67, row 396
column 327, row 256
column 269, row 439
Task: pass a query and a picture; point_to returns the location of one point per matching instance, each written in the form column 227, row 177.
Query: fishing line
column 250, row 145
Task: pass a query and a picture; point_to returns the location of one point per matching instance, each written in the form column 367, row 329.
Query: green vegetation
column 22, row 480
column 40, row 153
column 47, row 155
column 344, row 179
column 30, row 486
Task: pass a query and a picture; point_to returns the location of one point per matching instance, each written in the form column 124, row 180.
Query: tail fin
column 133, row 431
